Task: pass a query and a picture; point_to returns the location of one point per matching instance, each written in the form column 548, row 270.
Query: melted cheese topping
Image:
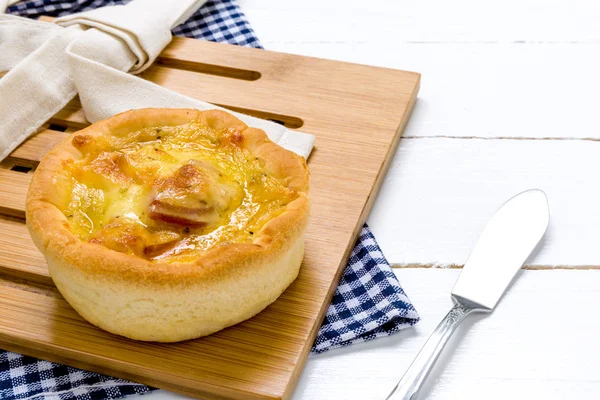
column 170, row 193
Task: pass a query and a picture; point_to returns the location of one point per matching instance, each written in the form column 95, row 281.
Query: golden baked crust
column 129, row 274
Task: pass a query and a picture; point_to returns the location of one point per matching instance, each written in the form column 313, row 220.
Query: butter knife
column 502, row 249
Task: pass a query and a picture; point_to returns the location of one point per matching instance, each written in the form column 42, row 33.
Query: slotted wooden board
column 357, row 114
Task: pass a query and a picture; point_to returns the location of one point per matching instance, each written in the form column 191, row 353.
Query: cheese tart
column 169, row 224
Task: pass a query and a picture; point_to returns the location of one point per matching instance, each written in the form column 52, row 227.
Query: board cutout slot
column 209, row 69
column 75, row 124
column 286, row 120
column 20, row 168
column 57, row 127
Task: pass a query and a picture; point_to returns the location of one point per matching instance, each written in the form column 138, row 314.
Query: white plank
column 388, row 23
column 541, row 343
column 440, row 193
column 539, row 81
column 532, row 347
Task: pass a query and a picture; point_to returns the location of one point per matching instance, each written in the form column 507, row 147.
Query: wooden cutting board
column 357, row 114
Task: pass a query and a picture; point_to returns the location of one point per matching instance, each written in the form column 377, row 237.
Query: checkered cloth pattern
column 368, row 303
column 23, row 377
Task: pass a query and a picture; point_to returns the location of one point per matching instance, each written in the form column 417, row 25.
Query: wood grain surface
column 357, row 114
column 13, row 186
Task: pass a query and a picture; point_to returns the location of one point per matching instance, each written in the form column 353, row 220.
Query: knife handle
column 408, row 387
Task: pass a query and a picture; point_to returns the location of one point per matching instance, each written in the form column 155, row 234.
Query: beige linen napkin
column 91, row 54
column 5, row 3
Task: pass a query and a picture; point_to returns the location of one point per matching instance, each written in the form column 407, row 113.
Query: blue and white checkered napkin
column 368, row 303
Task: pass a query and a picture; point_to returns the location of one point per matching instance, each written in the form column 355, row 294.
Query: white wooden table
column 510, row 100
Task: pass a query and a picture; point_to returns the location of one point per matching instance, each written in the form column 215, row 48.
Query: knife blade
column 502, row 249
